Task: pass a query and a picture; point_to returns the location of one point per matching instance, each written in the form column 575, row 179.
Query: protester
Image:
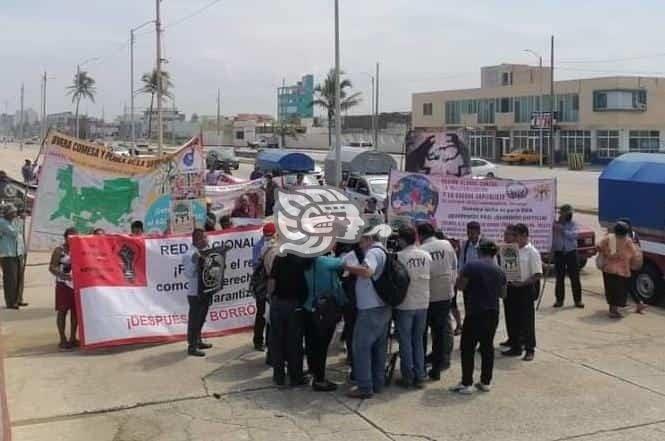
column 411, row 314
column 225, row 222
column 564, row 245
column 198, row 304
column 443, row 271
column 509, row 303
column 211, row 218
column 323, row 286
column 468, row 252
column 242, row 208
column 258, row 262
column 525, row 293
column 61, row 268
column 371, row 330
column 371, row 206
column 28, row 172
column 137, row 228
column 300, row 180
column 619, row 255
column 352, row 255
column 640, row 307
column 256, row 173
column 270, row 188
column 12, row 256
column 98, row 232
column 483, row 283
column 286, row 319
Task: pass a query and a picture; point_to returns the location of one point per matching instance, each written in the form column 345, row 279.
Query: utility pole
column 552, row 103
column 338, row 104
column 173, row 124
column 219, row 105
column 78, row 81
column 43, row 105
column 372, row 108
column 21, row 117
column 132, row 42
column 158, row 28
column 376, row 111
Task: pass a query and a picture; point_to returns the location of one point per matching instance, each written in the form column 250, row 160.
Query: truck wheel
column 581, row 263
column 649, row 285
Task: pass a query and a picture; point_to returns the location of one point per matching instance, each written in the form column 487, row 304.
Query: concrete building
column 295, row 102
column 599, row 118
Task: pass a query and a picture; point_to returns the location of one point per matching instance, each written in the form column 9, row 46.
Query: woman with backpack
column 323, row 308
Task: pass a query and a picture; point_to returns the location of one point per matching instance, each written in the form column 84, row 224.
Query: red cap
column 269, row 229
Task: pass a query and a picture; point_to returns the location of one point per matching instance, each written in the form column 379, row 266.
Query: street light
column 78, row 75
column 132, row 40
column 540, row 101
column 338, row 105
column 373, row 110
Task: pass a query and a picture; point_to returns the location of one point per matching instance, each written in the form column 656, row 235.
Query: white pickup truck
column 361, row 188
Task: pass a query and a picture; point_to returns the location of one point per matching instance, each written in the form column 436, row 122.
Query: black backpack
column 393, row 283
column 258, row 284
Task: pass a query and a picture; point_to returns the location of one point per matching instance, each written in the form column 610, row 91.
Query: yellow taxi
column 523, row 157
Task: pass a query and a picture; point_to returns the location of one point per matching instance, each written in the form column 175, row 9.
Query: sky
column 247, row 48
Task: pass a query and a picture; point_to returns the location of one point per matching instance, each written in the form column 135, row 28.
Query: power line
column 193, row 14
column 609, row 72
column 612, row 60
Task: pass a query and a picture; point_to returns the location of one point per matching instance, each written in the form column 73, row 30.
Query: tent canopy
column 359, row 160
column 284, row 161
column 633, row 186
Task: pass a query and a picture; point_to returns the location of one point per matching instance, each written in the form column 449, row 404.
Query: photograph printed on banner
column 440, row 153
column 211, row 271
column 509, row 259
column 415, row 197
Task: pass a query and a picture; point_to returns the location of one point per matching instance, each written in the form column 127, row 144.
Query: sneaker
column 557, row 305
column 579, row 305
column 528, row 356
column 358, row 394
column 23, row 304
column 418, row 384
column 483, row 387
column 205, row 345
column 195, row 352
column 324, row 386
column 303, row 381
column 512, row 353
column 462, row 389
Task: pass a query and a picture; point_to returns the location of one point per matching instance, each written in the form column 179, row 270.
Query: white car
column 482, row 168
column 361, row 188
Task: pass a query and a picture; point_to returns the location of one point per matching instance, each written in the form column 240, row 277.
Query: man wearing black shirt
column 483, row 283
column 286, row 319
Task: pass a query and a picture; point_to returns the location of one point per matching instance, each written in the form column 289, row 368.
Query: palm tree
column 151, row 86
column 326, row 97
column 282, row 129
column 83, row 87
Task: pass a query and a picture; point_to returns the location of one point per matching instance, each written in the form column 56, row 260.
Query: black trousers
column 438, row 321
column 260, row 322
column 566, row 263
column 524, row 317
column 12, row 279
column 198, row 311
column 509, row 310
column 317, row 342
column 478, row 329
column 286, row 338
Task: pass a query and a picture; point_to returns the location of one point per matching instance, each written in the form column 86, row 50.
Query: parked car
column 482, row 167
column 586, row 247
column 522, row 157
column 361, row 188
column 223, row 158
column 263, row 143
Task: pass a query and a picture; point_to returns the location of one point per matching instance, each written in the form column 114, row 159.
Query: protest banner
column 87, row 186
column 437, row 153
column 227, row 200
column 450, row 203
column 134, row 289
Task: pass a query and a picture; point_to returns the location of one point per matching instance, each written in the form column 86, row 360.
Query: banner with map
column 134, row 289
column 451, row 203
column 87, row 186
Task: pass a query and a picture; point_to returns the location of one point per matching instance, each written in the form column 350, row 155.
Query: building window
column 530, row 140
column 486, row 109
column 619, row 100
column 504, row 105
column 427, row 109
column 482, row 144
column 608, row 143
column 575, row 142
column 568, row 107
column 507, row 79
column 453, row 112
column 645, row 141
column 525, row 106
column 240, row 134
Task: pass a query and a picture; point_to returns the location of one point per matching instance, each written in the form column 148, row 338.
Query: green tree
column 83, row 87
column 325, row 97
column 282, row 129
column 151, row 87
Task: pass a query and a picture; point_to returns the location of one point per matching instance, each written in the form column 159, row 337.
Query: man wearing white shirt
column 443, row 271
column 525, row 293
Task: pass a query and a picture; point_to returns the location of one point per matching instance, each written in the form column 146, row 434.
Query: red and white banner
column 134, row 289
column 451, row 203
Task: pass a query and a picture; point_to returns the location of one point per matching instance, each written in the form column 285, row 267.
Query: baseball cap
column 269, row 229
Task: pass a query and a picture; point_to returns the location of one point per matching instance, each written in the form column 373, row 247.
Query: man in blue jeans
column 370, row 333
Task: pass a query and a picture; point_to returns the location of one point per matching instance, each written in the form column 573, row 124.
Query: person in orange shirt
column 619, row 255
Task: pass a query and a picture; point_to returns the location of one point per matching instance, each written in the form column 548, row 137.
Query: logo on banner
column 127, row 255
column 212, row 270
column 517, row 190
column 309, row 220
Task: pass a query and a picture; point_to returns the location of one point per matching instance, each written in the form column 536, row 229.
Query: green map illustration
column 86, row 206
